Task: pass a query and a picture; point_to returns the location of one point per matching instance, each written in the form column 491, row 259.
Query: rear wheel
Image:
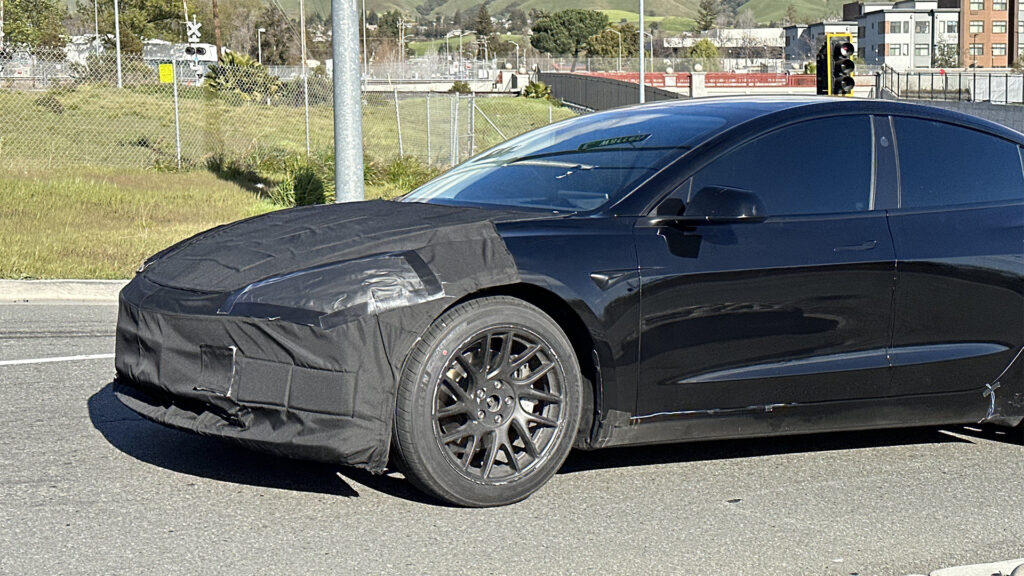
column 488, row 404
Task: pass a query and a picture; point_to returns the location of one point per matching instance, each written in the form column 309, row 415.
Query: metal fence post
column 305, row 93
column 398, row 122
column 549, row 112
column 177, row 118
column 472, row 124
column 455, row 131
column 428, row 127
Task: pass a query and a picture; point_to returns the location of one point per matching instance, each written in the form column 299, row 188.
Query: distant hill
column 764, row 10
column 671, row 15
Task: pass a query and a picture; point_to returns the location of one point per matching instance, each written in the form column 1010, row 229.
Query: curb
column 99, row 291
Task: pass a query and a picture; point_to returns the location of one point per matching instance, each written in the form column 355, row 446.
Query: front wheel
column 488, row 404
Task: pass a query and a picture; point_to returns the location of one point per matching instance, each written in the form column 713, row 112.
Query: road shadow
column 215, row 459
column 580, row 461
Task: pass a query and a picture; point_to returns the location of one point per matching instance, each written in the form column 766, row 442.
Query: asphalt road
column 86, row 487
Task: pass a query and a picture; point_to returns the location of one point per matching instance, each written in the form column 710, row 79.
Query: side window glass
column 942, row 165
column 814, row 167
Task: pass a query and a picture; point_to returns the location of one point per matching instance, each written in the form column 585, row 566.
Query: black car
column 722, row 268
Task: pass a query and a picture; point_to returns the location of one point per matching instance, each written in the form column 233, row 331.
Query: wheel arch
column 592, row 354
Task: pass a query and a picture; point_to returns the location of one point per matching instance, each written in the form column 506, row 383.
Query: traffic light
column 835, row 65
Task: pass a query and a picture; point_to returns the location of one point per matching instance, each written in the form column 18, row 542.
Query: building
column 739, row 48
column 802, row 42
column 910, row 34
column 991, row 32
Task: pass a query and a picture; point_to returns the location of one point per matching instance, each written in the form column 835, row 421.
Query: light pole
column 641, row 35
column 517, row 53
column 619, row 34
column 652, row 48
column 117, row 41
column 95, row 21
column 259, row 43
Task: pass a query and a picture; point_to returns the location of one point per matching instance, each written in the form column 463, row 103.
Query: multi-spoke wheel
column 489, row 403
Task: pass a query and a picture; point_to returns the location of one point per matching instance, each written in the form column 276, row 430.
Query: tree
column 144, row 19
column 745, row 19
column 707, row 12
column 606, row 44
column 567, row 31
column 946, row 56
column 483, row 25
column 279, row 40
column 791, row 15
column 35, row 22
column 705, row 51
column 389, row 23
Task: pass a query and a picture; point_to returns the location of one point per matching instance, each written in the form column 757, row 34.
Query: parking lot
column 87, row 487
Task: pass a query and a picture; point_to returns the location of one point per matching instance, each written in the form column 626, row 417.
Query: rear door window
column 946, row 165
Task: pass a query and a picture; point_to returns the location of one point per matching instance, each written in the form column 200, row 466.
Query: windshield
column 577, row 165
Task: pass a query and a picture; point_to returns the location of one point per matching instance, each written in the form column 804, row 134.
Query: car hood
column 235, row 255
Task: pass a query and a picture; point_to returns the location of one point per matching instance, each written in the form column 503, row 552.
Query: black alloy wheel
column 489, row 403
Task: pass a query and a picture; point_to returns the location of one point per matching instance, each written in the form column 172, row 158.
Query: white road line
column 56, row 359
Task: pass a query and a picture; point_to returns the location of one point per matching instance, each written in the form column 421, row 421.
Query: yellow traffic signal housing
column 839, row 53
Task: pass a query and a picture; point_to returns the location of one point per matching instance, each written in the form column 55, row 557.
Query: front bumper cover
column 286, row 388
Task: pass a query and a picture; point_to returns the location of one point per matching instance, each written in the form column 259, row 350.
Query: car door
column 959, row 240
column 794, row 308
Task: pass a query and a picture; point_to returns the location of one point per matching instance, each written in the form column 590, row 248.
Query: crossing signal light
column 835, row 66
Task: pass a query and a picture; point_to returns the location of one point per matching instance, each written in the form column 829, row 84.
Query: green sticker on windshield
column 613, row 141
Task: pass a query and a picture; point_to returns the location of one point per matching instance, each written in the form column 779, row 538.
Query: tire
column 488, row 403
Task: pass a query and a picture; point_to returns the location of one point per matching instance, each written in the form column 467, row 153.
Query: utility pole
column 641, row 35
column 216, row 30
column 348, row 119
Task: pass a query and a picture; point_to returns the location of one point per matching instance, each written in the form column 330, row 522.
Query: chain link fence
column 57, row 111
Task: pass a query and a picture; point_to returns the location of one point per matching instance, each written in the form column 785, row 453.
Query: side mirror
column 721, row 204
column 713, row 205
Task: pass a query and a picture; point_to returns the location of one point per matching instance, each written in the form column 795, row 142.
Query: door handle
column 863, row 246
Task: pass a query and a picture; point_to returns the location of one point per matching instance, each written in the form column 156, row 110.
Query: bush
column 241, row 75
column 460, row 87
column 50, row 103
column 537, row 90
column 307, row 187
column 321, row 91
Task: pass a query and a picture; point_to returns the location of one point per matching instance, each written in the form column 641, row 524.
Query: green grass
column 664, row 23
column 86, row 189
column 775, row 10
column 102, row 223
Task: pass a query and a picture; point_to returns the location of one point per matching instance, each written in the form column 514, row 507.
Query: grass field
column 100, row 126
column 665, row 23
column 102, row 223
column 86, row 192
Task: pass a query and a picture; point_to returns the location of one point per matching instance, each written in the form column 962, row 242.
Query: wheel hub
column 498, row 404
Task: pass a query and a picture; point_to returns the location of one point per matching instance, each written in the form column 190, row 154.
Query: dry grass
column 104, row 223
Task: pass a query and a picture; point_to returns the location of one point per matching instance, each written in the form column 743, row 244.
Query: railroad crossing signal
column 192, row 30
column 835, row 65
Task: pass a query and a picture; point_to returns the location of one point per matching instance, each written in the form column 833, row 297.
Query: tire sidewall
column 425, row 449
